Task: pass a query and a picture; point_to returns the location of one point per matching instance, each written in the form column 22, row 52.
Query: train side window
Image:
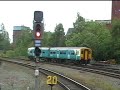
column 62, row 52
column 43, row 52
column 53, row 52
column 72, row 53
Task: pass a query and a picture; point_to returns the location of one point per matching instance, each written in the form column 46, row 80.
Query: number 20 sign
column 51, row 80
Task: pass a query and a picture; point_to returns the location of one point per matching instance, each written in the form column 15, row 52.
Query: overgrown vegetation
column 22, row 44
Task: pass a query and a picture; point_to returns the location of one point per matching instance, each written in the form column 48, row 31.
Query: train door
column 68, row 52
column 72, row 55
column 84, row 56
column 58, row 53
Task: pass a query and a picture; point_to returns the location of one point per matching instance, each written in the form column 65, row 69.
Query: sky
column 17, row 13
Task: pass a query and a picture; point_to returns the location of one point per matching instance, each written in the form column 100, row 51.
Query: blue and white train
column 82, row 55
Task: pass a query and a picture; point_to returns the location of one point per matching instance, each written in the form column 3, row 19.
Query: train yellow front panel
column 86, row 54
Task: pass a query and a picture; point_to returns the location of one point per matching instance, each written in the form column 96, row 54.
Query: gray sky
column 17, row 13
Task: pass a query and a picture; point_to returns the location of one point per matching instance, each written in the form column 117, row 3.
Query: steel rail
column 103, row 71
column 67, row 86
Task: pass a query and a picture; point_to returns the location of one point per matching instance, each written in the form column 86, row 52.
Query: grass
column 15, row 77
column 95, row 82
column 101, row 84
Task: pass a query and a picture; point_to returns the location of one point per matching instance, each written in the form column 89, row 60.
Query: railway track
column 105, row 68
column 112, row 72
column 66, row 82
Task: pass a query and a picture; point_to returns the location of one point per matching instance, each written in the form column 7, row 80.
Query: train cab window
column 30, row 51
column 89, row 52
column 82, row 52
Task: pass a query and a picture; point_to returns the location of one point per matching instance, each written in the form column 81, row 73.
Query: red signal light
column 38, row 31
column 38, row 34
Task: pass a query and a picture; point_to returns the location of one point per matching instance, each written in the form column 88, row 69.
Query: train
column 78, row 55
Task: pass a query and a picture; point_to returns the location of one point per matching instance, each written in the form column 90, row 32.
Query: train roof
column 66, row 48
column 31, row 48
column 39, row 47
column 57, row 48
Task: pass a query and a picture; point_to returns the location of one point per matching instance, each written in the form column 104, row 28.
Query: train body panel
column 31, row 53
column 63, row 54
column 53, row 53
column 44, row 52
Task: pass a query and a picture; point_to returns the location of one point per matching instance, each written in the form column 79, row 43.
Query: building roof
column 20, row 28
column 103, row 21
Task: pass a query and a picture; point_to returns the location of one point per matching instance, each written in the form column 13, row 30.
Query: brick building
column 115, row 9
column 17, row 30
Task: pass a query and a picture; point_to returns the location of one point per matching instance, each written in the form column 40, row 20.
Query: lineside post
column 38, row 28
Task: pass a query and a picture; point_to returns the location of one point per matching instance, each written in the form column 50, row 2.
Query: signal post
column 38, row 28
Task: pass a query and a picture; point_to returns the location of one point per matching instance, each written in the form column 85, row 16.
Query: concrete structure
column 17, row 30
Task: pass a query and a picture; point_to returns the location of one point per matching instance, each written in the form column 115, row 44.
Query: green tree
column 115, row 32
column 58, row 37
column 46, row 39
column 79, row 24
column 95, row 36
column 78, row 27
column 24, row 42
column 4, row 39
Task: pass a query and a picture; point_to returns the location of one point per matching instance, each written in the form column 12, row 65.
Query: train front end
column 86, row 55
